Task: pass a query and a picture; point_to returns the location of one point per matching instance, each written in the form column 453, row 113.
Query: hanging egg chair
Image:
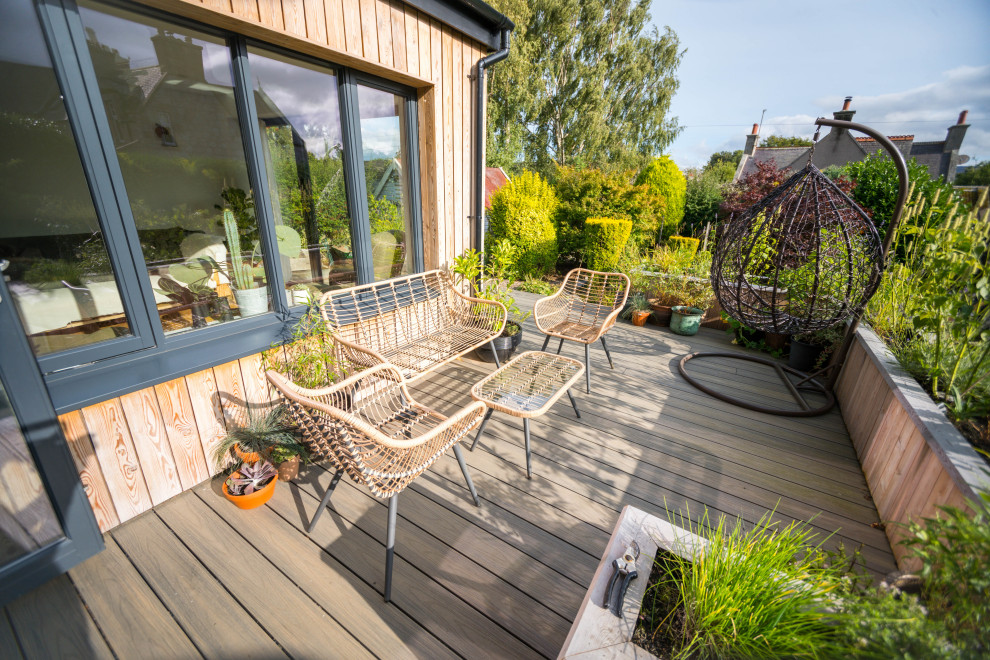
column 804, row 258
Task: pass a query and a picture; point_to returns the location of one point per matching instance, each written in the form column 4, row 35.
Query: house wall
column 137, row 450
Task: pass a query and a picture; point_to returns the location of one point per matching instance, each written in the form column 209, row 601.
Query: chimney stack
column 751, row 140
column 954, row 136
column 845, row 114
column 962, row 117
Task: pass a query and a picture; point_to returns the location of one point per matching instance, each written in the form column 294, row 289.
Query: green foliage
column 53, row 272
column 933, row 308
column 605, row 239
column 522, row 213
column 885, row 624
column 684, row 244
column 532, row 284
column 732, row 157
column 877, row 183
column 585, row 84
column 593, row 193
column 638, row 302
column 773, row 141
column 665, row 178
column 755, row 592
column 308, row 357
column 954, row 548
column 977, row 175
column 703, row 196
column 495, row 281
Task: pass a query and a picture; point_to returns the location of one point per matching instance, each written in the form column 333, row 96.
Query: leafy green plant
column 704, row 195
column 54, row 271
column 532, row 284
column 954, row 549
column 684, row 244
column 666, row 179
column 496, row 282
column 638, row 302
column 308, row 357
column 605, row 239
column 260, row 434
column 522, row 213
column 757, row 592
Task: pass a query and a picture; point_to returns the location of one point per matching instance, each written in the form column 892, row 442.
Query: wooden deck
column 197, row 577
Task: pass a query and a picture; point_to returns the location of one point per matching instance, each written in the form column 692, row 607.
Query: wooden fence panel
column 180, row 427
column 144, row 422
column 119, row 461
column 90, row 472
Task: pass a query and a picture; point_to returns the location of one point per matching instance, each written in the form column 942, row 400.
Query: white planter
column 595, row 633
column 252, row 302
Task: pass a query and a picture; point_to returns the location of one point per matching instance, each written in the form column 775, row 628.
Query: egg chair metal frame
column 810, row 382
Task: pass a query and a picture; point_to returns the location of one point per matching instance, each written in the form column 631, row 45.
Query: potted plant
column 257, row 439
column 495, row 285
column 251, row 485
column 811, row 350
column 287, row 459
column 638, row 310
column 686, row 319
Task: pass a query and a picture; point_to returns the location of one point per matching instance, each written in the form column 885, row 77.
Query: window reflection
column 299, row 118
column 385, row 163
column 169, row 97
column 59, row 273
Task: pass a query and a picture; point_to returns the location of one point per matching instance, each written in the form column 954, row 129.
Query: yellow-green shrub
column 684, row 244
column 604, row 240
column 522, row 213
column 664, row 177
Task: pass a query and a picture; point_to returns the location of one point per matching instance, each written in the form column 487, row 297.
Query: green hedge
column 522, row 213
column 604, row 240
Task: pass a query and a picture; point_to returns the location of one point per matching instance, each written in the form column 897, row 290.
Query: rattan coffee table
column 526, row 387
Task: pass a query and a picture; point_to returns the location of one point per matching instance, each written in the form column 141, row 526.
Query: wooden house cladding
column 137, row 450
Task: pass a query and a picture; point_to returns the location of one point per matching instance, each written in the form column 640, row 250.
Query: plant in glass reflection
column 244, row 273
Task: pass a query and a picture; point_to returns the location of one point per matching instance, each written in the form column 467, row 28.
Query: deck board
column 502, row 580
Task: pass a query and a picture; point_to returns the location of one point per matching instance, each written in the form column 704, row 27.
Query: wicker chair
column 583, row 310
column 370, row 427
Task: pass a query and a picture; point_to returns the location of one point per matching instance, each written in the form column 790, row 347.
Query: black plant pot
column 804, row 356
column 504, row 346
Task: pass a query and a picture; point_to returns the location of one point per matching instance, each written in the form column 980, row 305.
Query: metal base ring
column 805, row 383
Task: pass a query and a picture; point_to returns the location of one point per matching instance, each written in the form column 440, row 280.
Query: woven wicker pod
column 804, row 258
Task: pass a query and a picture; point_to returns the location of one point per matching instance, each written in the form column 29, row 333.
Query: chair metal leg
column 587, row 366
column 498, row 363
column 467, row 476
column 607, row 354
column 481, row 429
column 393, row 505
column 574, row 403
column 325, row 501
column 529, row 469
column 545, row 342
column 560, row 345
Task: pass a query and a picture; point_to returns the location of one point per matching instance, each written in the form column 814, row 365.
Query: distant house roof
column 839, row 147
column 495, row 178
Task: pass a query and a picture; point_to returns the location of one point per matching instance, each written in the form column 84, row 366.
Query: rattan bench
column 416, row 323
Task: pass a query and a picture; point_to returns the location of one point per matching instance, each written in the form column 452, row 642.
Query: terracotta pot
column 246, row 457
column 639, row 317
column 252, row 500
column 289, row 470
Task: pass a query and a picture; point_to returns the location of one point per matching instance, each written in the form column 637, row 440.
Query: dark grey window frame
column 88, row 375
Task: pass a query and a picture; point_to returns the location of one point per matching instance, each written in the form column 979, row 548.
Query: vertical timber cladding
column 137, row 450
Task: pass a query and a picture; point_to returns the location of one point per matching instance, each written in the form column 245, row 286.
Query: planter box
column 595, row 633
column 913, row 457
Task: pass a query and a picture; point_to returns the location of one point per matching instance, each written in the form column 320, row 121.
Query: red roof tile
column 495, row 178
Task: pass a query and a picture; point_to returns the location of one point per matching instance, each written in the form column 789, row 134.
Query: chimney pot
column 962, row 117
column 756, row 128
column 847, row 103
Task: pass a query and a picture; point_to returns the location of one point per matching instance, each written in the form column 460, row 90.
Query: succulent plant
column 253, row 477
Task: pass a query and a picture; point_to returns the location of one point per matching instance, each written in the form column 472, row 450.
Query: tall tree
column 587, row 84
column 774, row 141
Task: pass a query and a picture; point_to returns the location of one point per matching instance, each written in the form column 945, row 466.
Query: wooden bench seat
column 416, row 323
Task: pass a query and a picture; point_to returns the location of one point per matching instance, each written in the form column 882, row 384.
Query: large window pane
column 60, row 276
column 385, row 158
column 168, row 93
column 299, row 119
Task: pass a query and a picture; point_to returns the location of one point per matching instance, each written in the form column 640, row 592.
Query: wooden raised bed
column 913, row 457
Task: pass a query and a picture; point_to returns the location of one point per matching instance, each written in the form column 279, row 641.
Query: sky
column 910, row 65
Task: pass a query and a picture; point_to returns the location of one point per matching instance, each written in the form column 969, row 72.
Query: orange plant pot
column 639, row 318
column 252, row 457
column 252, row 500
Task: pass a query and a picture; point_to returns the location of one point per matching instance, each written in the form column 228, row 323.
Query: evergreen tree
column 586, row 84
column 665, row 178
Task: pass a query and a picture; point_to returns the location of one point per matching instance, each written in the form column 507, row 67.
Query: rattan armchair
column 370, row 427
column 583, row 309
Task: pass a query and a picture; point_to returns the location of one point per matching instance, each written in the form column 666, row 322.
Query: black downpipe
column 480, row 135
